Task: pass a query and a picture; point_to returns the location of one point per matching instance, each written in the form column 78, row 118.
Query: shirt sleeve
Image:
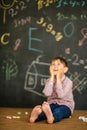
column 63, row 89
column 48, row 89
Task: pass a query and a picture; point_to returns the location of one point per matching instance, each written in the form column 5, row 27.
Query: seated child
column 58, row 90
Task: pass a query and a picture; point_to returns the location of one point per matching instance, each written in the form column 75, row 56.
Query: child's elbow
column 46, row 93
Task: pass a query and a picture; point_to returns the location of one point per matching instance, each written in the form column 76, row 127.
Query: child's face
column 56, row 66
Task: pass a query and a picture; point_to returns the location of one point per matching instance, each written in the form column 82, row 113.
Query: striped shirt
column 60, row 93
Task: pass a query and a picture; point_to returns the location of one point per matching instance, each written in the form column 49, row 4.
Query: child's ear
column 66, row 69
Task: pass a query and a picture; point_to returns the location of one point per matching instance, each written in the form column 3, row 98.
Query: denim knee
column 61, row 113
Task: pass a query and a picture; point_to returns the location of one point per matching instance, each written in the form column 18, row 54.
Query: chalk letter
column 3, row 37
column 33, row 39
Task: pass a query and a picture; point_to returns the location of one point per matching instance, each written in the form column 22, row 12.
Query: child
column 58, row 89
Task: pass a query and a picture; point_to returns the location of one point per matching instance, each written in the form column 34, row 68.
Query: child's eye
column 52, row 64
column 59, row 64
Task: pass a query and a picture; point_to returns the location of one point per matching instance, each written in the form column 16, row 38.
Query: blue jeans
column 59, row 112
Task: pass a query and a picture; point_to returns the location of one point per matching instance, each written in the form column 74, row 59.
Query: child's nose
column 56, row 66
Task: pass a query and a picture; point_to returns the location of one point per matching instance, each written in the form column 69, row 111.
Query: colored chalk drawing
column 78, row 82
column 4, row 5
column 35, row 76
column 84, row 34
column 9, row 69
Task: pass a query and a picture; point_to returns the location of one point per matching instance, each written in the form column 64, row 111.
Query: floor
column 18, row 119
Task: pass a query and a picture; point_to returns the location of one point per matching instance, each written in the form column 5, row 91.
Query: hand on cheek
column 59, row 75
column 52, row 74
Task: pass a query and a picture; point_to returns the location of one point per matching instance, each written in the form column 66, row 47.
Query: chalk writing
column 22, row 5
column 72, row 3
column 84, row 33
column 31, row 39
column 58, row 35
column 17, row 44
column 34, row 77
column 75, row 59
column 4, row 5
column 67, row 50
column 22, row 21
column 4, row 38
column 45, row 3
column 79, row 82
column 61, row 16
column 9, row 68
column 71, row 28
column 49, row 28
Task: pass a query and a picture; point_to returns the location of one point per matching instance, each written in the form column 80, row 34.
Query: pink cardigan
column 60, row 93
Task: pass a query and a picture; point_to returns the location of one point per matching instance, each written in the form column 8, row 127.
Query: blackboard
column 31, row 33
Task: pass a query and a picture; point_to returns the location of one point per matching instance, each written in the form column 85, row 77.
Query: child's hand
column 59, row 75
column 51, row 70
column 52, row 74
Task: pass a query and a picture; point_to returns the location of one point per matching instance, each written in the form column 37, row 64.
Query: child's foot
column 46, row 109
column 35, row 113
